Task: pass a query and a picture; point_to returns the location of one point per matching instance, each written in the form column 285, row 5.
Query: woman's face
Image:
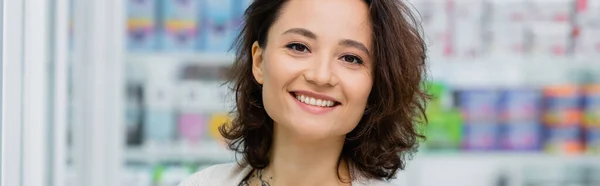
column 316, row 67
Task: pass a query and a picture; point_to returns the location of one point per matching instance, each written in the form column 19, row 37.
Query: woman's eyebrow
column 301, row 31
column 355, row 44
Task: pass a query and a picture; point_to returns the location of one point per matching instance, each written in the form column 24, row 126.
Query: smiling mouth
column 314, row 101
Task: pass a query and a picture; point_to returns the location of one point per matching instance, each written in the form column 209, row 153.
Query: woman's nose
column 320, row 73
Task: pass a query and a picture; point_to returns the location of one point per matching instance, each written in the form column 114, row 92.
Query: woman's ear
column 257, row 62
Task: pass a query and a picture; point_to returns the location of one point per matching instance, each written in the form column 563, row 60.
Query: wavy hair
column 389, row 131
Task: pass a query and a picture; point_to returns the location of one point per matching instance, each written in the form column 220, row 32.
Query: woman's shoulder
column 221, row 174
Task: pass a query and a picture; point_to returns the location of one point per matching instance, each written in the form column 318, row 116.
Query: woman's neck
column 296, row 161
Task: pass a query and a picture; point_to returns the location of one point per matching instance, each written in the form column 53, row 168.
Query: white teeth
column 315, row 102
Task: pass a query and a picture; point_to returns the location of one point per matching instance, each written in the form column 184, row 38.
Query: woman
column 327, row 91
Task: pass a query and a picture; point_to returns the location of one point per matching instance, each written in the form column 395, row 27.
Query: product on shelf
column 479, row 105
column 192, row 123
column 219, row 25
column 216, row 121
column 587, row 28
column 562, row 119
column 160, row 118
column 469, row 23
column 481, row 129
column 591, row 117
column 521, row 128
column 552, row 26
column 435, row 18
column 480, row 136
column 180, row 24
column 141, row 25
column 134, row 116
column 444, row 124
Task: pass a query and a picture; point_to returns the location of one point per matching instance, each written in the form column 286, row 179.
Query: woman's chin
column 314, row 131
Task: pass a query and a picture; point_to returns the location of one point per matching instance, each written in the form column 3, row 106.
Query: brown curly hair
column 389, row 131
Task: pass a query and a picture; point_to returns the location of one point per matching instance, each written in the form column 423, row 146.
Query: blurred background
column 128, row 92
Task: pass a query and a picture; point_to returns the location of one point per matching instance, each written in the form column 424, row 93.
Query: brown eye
column 298, row 47
column 351, row 59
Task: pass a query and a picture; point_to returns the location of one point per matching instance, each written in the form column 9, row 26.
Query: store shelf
column 210, row 152
column 519, row 157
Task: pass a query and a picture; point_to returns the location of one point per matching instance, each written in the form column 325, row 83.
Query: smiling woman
column 327, row 91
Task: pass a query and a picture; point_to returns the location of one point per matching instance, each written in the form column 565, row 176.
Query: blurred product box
column 179, row 24
column 521, row 136
column 552, row 26
column 562, row 105
column 591, row 118
column 479, row 105
column 588, row 42
column 192, row 123
column 134, row 114
column 216, row 120
column 557, row 11
column 550, row 39
column 521, row 128
column 588, row 28
column 436, row 22
column 218, row 25
column 444, row 124
column 469, row 23
column 520, row 105
column 508, row 27
column 160, row 115
column 480, row 136
column 141, row 25
column 562, row 118
column 481, row 129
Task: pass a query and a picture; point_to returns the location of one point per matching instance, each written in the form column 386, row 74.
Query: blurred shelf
column 508, row 157
column 201, row 58
column 209, row 152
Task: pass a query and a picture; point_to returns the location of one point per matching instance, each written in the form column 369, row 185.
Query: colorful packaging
column 591, row 118
column 443, row 130
column 444, row 124
column 192, row 123
column 520, row 105
column 218, row 32
column 480, row 136
column 479, row 105
column 141, row 25
column 562, row 119
column 216, row 121
column 521, row 136
column 180, row 24
column 591, row 106
column 521, row 128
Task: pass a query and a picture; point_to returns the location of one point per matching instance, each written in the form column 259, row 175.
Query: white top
column 232, row 174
